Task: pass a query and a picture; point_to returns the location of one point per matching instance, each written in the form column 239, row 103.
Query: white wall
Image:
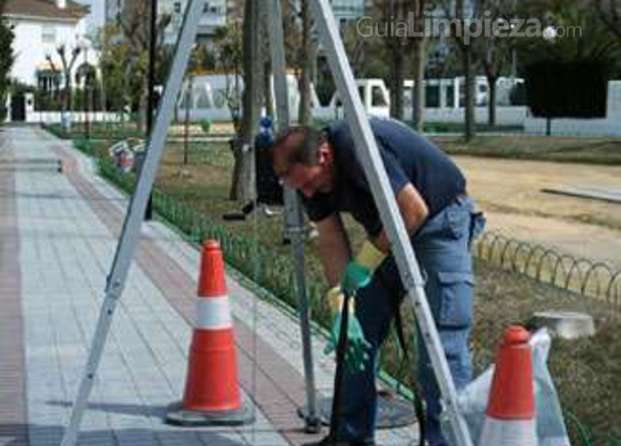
column 512, row 115
column 76, row 117
column 30, row 50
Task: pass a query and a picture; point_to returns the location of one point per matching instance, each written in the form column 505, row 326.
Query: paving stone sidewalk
column 58, row 233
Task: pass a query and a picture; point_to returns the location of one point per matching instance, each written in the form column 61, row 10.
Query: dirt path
column 510, row 193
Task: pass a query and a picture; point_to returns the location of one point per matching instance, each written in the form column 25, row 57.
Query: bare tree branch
column 610, row 15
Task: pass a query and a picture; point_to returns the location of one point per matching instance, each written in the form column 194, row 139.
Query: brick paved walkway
column 58, row 236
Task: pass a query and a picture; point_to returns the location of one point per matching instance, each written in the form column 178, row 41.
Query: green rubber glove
column 356, row 276
column 359, row 271
column 356, row 355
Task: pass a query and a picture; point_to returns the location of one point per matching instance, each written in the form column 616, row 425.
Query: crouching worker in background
column 431, row 194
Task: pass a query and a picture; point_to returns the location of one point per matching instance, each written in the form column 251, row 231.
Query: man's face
column 310, row 179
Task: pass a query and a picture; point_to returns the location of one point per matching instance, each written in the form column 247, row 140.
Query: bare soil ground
column 510, row 192
column 591, row 150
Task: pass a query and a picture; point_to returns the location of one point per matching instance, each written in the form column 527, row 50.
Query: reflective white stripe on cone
column 508, row 433
column 213, row 313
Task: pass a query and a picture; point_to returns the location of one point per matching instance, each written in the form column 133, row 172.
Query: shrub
column 206, row 126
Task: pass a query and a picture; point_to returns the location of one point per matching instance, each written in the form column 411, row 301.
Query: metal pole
column 401, row 246
column 135, row 213
column 148, row 215
column 294, row 219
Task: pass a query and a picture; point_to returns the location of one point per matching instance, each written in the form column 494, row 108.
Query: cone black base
column 178, row 416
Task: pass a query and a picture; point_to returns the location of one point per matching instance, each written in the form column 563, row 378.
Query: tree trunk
column 418, row 92
column 242, row 188
column 491, row 101
column 144, row 105
column 305, row 114
column 267, row 89
column 127, row 102
column 103, row 95
column 419, row 63
column 66, row 94
column 396, row 90
column 470, row 86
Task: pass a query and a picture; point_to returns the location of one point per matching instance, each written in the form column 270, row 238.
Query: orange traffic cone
column 211, row 394
column 510, row 415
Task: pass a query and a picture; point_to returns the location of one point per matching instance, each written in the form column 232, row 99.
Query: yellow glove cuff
column 335, row 300
column 369, row 256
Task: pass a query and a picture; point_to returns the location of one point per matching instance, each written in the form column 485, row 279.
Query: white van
column 374, row 96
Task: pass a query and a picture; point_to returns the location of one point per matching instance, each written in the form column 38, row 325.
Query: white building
column 347, row 10
column 214, row 16
column 216, row 12
column 41, row 27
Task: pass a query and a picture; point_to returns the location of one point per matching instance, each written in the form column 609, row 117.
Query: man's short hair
column 300, row 145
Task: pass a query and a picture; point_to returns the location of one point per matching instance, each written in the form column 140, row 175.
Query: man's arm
column 334, row 247
column 414, row 212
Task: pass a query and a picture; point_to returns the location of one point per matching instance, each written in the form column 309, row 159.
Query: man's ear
column 325, row 153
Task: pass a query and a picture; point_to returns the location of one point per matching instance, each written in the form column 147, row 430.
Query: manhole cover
column 392, row 411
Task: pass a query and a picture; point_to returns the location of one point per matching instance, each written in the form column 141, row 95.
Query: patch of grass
column 457, row 127
column 98, row 131
column 451, row 127
column 560, row 149
column 585, row 372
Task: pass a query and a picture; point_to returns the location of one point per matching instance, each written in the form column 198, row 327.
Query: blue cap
column 266, row 122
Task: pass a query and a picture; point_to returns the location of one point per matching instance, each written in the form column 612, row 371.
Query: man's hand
column 356, row 355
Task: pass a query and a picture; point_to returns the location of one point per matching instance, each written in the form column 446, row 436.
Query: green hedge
column 108, row 131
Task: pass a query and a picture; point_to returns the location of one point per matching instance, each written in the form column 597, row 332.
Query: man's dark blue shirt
column 408, row 158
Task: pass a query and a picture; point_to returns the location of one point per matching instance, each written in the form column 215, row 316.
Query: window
column 209, row 9
column 48, row 34
column 432, row 96
column 408, row 95
column 177, row 7
column 378, row 97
